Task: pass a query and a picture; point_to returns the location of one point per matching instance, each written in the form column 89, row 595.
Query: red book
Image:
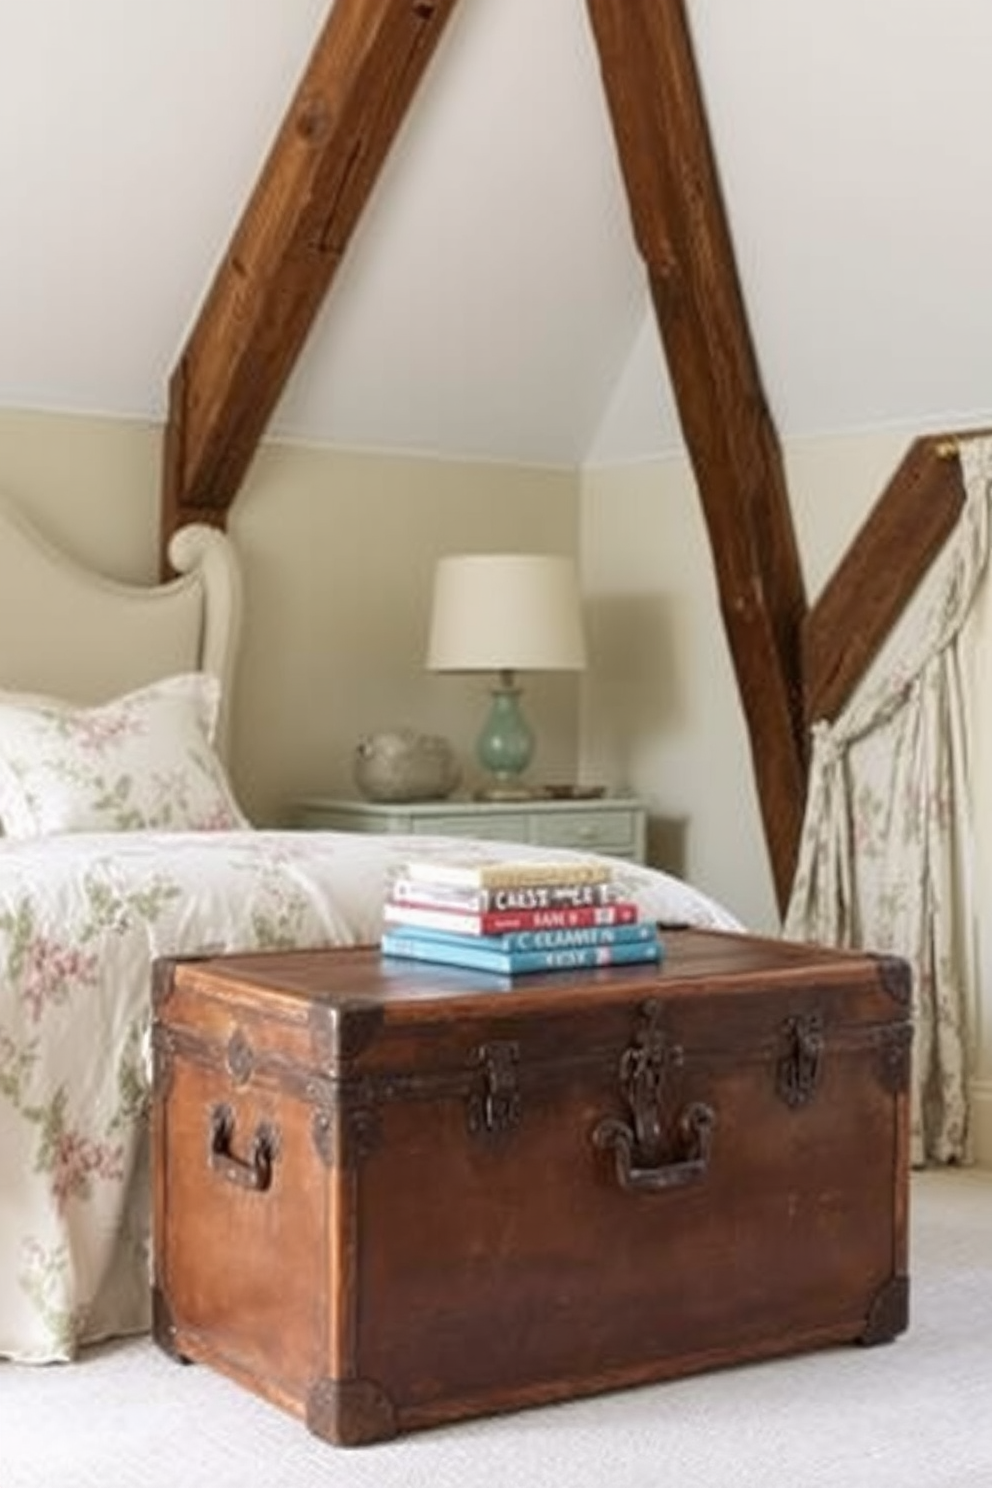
column 500, row 921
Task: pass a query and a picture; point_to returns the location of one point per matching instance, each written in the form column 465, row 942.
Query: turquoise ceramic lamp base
column 506, row 745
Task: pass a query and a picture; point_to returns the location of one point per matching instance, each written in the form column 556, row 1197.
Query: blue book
column 465, row 951
column 643, row 932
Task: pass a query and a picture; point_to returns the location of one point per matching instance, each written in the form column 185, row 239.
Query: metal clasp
column 496, row 1108
column 800, row 1064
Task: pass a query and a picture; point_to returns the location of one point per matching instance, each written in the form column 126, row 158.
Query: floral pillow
column 144, row 761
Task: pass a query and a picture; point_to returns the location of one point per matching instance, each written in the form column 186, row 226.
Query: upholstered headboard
column 68, row 632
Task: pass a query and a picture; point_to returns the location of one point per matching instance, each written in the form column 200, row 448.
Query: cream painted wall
column 660, row 705
column 338, row 552
column 89, row 484
column 660, row 713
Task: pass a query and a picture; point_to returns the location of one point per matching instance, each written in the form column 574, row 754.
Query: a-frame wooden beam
column 867, row 592
column 792, row 664
column 681, row 230
column 347, row 110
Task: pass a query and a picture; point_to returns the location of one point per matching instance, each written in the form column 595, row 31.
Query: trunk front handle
column 640, row 1171
column 648, row 1066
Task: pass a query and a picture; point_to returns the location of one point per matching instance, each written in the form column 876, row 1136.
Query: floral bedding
column 82, row 917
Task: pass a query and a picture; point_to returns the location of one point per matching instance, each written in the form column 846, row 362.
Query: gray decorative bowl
column 402, row 765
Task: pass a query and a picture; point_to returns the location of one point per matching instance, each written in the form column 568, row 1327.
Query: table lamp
column 505, row 613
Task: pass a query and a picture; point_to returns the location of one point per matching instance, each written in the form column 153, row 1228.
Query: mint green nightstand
column 614, row 825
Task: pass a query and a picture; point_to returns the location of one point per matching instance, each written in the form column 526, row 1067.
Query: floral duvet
column 82, row 918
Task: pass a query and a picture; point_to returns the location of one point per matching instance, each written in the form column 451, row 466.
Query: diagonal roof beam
column 331, row 146
column 681, row 229
column 348, row 109
column 880, row 572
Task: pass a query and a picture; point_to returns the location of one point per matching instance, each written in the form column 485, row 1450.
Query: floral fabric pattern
column 885, row 862
column 82, row 918
column 144, row 762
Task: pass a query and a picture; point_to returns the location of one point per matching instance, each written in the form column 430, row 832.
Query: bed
column 123, row 841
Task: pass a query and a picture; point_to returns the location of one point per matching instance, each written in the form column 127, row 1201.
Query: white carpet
column 916, row 1413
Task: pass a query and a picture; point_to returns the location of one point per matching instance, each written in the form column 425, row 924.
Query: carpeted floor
column 914, row 1414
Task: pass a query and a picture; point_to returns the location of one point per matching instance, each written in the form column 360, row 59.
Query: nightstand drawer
column 597, row 826
column 507, row 827
column 606, row 831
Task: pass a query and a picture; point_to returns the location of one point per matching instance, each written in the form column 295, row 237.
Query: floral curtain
column 886, row 851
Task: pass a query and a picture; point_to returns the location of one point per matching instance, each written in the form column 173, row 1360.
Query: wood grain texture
column 791, row 666
column 330, row 148
column 436, row 1267
column 879, row 575
column 681, row 230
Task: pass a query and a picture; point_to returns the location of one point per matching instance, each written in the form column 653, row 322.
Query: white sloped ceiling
column 492, row 304
column 855, row 140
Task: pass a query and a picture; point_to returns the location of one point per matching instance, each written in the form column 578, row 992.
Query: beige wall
column 660, row 706
column 89, row 484
column 338, row 553
column 660, row 712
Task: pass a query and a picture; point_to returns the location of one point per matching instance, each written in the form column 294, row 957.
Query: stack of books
column 514, row 917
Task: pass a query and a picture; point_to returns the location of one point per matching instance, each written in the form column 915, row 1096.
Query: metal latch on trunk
column 638, row 1145
column 801, row 1058
column 496, row 1107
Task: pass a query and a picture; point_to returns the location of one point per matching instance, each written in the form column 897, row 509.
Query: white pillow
column 144, row 761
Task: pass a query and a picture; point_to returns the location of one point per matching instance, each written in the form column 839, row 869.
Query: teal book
column 643, row 932
column 466, row 951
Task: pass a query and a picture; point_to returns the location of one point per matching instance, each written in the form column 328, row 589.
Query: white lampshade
column 497, row 612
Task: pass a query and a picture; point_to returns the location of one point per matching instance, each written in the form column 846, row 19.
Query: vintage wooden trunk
column 389, row 1194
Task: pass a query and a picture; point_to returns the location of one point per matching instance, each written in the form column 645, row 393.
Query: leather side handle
column 253, row 1171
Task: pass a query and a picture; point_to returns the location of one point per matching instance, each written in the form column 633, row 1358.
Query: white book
column 525, row 873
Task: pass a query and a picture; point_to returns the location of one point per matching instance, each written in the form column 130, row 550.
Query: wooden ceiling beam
column 880, row 573
column 330, row 148
column 792, row 665
column 681, row 230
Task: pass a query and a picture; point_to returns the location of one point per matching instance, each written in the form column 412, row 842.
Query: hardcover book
column 555, row 895
column 641, row 932
column 463, row 951
column 527, row 872
column 499, row 921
